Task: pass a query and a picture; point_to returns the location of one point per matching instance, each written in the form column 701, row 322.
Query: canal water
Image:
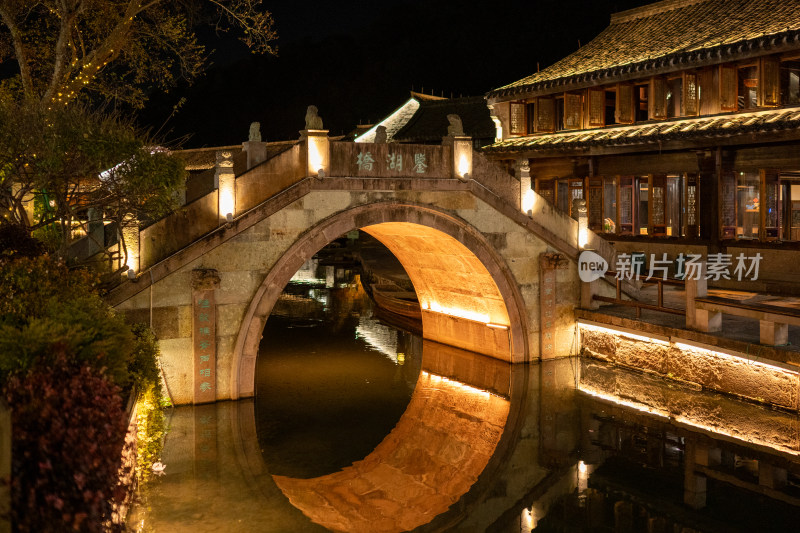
column 359, row 424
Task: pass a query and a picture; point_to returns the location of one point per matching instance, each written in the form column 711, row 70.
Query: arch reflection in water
column 433, row 456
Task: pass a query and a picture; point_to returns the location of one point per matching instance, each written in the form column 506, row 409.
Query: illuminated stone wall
column 709, row 367
column 488, row 260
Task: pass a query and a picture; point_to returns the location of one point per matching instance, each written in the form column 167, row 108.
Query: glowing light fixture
column 462, row 157
column 226, row 184
column 130, row 235
column 528, row 201
column 458, row 313
column 319, row 153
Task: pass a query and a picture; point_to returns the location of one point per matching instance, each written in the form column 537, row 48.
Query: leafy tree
column 68, row 161
column 116, row 48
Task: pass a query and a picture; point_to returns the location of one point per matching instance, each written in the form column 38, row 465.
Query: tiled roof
column 680, row 129
column 673, row 33
column 423, row 118
column 396, row 120
column 203, row 158
column 429, row 123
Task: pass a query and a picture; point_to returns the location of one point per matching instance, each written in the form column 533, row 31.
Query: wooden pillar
column 700, row 319
column 708, row 197
column 204, row 334
column 773, row 333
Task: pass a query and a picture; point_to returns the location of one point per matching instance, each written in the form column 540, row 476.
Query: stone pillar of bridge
column 317, row 150
column 130, row 237
column 256, row 149
column 462, row 157
column 204, row 334
column 523, row 172
column 225, row 183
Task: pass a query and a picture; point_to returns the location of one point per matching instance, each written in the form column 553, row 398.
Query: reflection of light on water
column 683, row 419
column 436, row 379
column 619, row 401
column 308, row 273
column 320, row 296
column 381, row 338
column 528, row 520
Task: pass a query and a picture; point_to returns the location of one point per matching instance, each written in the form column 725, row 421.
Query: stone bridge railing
column 316, row 157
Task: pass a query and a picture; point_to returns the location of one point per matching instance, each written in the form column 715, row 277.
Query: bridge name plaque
column 204, row 334
column 390, row 160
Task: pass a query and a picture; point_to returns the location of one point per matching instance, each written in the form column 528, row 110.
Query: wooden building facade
column 679, row 125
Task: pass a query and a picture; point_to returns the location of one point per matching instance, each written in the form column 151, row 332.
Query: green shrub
column 43, row 305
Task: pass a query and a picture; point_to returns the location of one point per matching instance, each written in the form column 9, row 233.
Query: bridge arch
column 469, row 296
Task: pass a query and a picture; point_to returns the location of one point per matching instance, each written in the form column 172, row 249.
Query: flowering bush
column 68, row 428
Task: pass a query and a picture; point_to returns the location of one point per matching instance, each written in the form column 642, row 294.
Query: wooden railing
column 704, row 313
column 659, row 306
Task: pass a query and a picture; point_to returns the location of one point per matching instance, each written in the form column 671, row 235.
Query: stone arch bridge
column 493, row 264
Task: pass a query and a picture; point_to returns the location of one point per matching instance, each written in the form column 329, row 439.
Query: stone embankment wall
column 709, row 367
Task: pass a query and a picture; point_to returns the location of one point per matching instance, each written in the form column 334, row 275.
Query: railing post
column 525, row 186
column 318, row 152
column 130, row 236
column 462, row 157
column 255, row 148
column 588, row 290
column 697, row 287
column 225, row 183
column 773, row 333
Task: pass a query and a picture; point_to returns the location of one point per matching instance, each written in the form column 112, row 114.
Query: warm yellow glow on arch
column 447, row 276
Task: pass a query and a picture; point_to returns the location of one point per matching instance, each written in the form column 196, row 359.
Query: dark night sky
column 357, row 61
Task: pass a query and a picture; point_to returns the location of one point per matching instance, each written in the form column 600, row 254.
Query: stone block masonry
column 709, row 367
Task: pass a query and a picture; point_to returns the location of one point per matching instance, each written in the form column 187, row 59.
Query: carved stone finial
column 380, row 135
column 205, row 279
column 255, row 132
column 455, row 129
column 313, row 120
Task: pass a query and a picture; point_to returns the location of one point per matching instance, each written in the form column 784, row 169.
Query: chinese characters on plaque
column 366, row 162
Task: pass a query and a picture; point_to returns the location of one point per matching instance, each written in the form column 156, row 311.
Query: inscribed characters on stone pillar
column 548, row 264
column 204, row 334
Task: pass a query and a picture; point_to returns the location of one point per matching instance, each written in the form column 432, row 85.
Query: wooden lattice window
column 597, row 108
column 517, row 119
column 547, row 189
column 545, row 115
column 727, row 203
column 728, row 88
column 594, row 203
column 770, row 81
column 572, row 111
column 658, row 205
column 692, row 205
column 626, row 205
column 625, row 107
column 658, row 98
column 770, row 194
column 691, row 99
